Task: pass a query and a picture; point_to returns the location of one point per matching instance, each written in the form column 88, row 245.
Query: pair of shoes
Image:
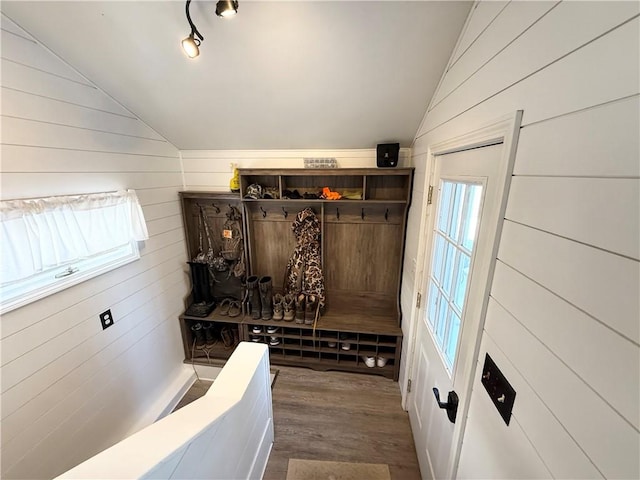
column 306, row 309
column 273, row 341
column 223, row 308
column 371, row 361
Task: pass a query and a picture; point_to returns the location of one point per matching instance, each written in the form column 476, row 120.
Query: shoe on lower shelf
column 273, row 341
column 380, row 361
column 255, row 338
column 369, row 361
column 256, row 329
column 345, row 346
column 331, row 344
column 271, row 329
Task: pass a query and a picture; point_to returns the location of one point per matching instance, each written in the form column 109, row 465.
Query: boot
column 300, row 308
column 289, row 304
column 311, row 305
column 278, row 307
column 266, row 297
column 199, row 334
column 254, row 296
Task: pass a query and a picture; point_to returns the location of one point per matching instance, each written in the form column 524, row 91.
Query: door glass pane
column 456, row 211
column 446, row 192
column 473, row 209
column 454, row 240
column 461, row 281
column 450, row 252
column 438, row 258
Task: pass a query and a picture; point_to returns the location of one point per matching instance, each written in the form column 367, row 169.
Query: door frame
column 504, row 130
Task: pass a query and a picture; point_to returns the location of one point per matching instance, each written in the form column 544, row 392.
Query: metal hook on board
column 337, row 213
column 386, row 215
column 216, row 207
column 264, row 213
column 362, row 214
column 285, row 213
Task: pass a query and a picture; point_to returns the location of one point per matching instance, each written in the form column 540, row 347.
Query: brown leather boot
column 300, row 308
column 278, row 307
column 254, row 297
column 289, row 304
column 311, row 305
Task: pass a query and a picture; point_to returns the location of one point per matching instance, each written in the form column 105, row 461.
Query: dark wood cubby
column 362, row 247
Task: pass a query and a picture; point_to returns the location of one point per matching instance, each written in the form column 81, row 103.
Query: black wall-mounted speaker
column 387, row 155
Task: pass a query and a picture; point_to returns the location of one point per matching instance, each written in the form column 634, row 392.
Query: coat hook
column 284, row 212
column 386, row 215
column 264, row 213
column 216, row 207
column 338, row 213
column 362, row 214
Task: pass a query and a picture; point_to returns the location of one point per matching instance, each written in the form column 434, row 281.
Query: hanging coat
column 304, row 268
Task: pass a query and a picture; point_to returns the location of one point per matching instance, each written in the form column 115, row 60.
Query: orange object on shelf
column 329, row 195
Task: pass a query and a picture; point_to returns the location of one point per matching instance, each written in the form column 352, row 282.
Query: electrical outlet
column 106, row 319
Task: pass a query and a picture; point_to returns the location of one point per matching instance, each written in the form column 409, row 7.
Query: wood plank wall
column 69, row 389
column 563, row 319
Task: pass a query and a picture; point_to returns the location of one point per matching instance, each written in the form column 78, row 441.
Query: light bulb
column 190, row 46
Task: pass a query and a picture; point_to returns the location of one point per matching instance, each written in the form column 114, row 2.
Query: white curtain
column 44, row 233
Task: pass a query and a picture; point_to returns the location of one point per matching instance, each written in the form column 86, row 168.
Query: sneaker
column 369, row 361
column 271, row 329
column 255, row 338
column 345, row 346
column 380, row 361
column 331, row 344
column 257, row 329
column 274, row 341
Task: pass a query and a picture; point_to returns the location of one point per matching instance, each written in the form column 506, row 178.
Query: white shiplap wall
column 210, row 170
column 563, row 321
column 70, row 389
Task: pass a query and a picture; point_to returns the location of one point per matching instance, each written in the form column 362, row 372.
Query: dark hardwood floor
column 336, row 416
column 342, row 417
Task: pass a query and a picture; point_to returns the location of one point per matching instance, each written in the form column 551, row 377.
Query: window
column 48, row 244
column 454, row 239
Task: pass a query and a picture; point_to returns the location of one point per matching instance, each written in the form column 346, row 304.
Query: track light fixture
column 191, row 44
column 226, row 8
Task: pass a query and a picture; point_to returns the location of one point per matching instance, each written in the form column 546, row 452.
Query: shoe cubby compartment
column 388, row 187
column 212, row 343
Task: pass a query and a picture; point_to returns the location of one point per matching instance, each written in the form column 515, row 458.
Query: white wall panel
column 481, row 17
column 610, row 441
column 602, row 141
column 563, row 318
column 544, row 43
column 570, row 207
column 511, row 22
column 30, row 53
column 38, row 82
column 548, row 439
column 69, row 388
column 31, row 107
column 603, row 285
column 575, row 338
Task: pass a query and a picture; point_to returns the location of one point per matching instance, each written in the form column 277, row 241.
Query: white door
column 467, row 204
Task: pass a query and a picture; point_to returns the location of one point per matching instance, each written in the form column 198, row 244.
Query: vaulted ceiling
column 278, row 75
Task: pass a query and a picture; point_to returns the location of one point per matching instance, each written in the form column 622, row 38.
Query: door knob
column 451, row 404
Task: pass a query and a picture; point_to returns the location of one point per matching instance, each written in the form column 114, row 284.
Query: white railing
column 226, row 434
